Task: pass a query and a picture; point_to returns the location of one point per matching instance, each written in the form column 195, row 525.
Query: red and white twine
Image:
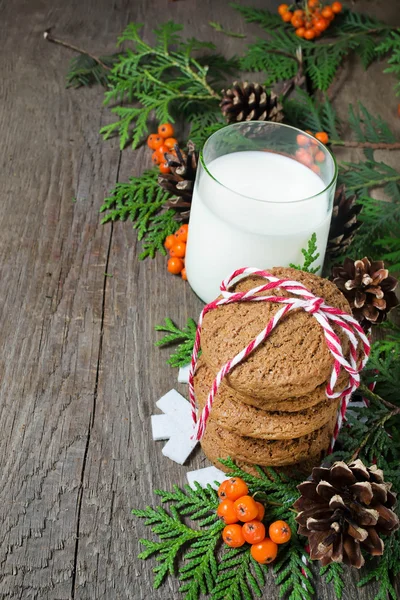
column 307, row 301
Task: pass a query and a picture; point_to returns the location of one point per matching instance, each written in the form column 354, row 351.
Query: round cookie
column 303, row 468
column 244, row 420
column 218, row 443
column 294, row 359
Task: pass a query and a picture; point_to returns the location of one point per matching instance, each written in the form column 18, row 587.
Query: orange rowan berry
column 161, row 150
column 233, row 536
column 150, row 140
column 304, row 157
column 164, row 168
column 337, row 7
column 157, row 141
column 182, row 233
column 321, row 24
column 178, row 250
column 297, row 22
column 155, row 159
column 315, row 168
column 320, row 156
column 253, row 532
column 264, row 552
column 246, row 508
column 299, row 13
column 322, row 137
column 261, row 511
column 170, row 143
column 226, row 511
column 175, row 265
column 166, row 130
column 170, row 240
column 282, row 8
column 327, row 12
column 222, row 490
column 309, row 34
column 313, row 3
column 287, row 16
column 183, row 274
column 300, row 31
column 280, row 532
column 236, row 488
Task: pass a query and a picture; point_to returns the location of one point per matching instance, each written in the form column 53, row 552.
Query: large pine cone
column 368, row 287
column 343, row 509
column 250, row 102
column 180, row 181
column 344, row 222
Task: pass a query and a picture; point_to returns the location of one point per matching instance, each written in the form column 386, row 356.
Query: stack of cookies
column 271, row 410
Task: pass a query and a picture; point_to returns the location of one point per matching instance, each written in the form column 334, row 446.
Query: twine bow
column 307, row 301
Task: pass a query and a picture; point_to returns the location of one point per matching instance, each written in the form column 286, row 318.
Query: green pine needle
column 142, row 201
column 310, row 256
column 184, row 337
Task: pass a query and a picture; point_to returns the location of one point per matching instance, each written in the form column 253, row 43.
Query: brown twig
column 365, row 391
column 47, row 36
column 373, row 145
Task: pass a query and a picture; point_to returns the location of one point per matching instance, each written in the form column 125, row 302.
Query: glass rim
column 322, row 147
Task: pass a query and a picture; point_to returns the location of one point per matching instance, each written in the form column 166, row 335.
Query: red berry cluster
column 237, row 506
column 162, row 142
column 312, row 20
column 309, row 153
column 176, row 246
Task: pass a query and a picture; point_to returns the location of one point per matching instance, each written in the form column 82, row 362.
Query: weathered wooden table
column 79, row 371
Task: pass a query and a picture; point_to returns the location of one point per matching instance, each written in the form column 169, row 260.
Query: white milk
column 262, row 223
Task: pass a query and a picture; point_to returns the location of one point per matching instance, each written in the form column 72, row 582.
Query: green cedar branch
column 310, row 256
column 333, row 573
column 142, row 201
column 184, row 337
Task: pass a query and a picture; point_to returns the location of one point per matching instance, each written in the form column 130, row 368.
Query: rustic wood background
column 79, row 371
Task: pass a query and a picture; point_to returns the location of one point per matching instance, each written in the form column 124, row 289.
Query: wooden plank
column 53, row 255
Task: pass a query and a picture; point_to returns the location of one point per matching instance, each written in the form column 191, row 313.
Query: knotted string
column 307, row 301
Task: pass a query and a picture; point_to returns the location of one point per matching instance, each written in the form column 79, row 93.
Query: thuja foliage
column 277, row 54
column 310, row 256
column 190, row 544
column 162, row 80
column 183, row 337
column 142, row 201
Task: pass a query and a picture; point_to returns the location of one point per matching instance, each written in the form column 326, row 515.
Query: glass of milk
column 262, row 189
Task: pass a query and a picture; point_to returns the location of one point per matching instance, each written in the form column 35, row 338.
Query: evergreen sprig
column 277, row 55
column 85, row 70
column 305, row 112
column 310, row 256
column 184, row 337
column 333, row 573
column 142, row 201
column 391, row 45
column 164, row 79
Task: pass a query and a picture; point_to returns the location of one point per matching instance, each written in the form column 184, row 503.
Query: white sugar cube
column 179, row 447
column 206, row 476
column 162, row 427
column 177, row 407
column 183, row 375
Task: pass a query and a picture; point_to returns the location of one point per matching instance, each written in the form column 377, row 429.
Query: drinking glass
column 262, row 189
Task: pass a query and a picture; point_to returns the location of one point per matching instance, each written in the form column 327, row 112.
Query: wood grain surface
column 79, row 371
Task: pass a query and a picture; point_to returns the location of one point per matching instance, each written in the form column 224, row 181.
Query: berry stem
column 365, row 391
column 47, row 36
column 373, row 145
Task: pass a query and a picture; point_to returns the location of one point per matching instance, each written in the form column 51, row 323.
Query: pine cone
column 181, row 180
column 368, row 287
column 250, row 102
column 343, row 509
column 344, row 222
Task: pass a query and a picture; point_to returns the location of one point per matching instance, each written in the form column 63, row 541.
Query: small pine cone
column 180, row 181
column 343, row 509
column 250, row 102
column 368, row 287
column 344, row 222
